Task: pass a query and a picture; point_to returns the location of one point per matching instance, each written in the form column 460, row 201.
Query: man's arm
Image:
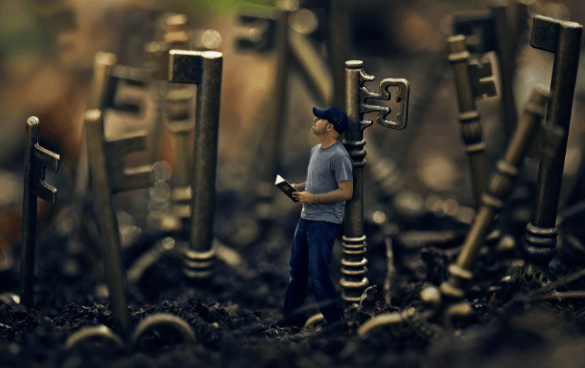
column 343, row 193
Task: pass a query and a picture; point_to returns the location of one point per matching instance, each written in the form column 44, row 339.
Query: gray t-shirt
column 327, row 168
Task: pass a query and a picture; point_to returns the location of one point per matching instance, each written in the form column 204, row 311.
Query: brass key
column 564, row 40
column 36, row 159
column 354, row 261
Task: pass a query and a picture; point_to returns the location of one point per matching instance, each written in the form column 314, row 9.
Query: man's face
column 319, row 126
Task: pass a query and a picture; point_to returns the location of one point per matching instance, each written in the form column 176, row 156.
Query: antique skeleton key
column 179, row 123
column 106, row 78
column 473, row 81
column 203, row 68
column 326, row 77
column 269, row 32
column 495, row 34
column 109, row 175
column 564, row 40
column 261, row 31
column 354, row 262
column 36, row 159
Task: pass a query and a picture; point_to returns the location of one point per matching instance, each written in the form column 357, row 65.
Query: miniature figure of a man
column 329, row 184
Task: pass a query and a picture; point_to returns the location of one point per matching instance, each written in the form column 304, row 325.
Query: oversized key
column 495, row 34
column 36, row 159
column 339, row 47
column 179, row 122
column 203, row 68
column 314, row 67
column 172, row 34
column 107, row 75
column 354, row 262
column 269, row 32
column 325, row 77
column 564, row 40
column 109, row 175
column 499, row 187
column 473, row 80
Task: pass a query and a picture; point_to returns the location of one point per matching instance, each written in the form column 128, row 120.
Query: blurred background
column 47, row 53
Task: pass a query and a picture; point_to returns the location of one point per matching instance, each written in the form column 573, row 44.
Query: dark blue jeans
column 310, row 256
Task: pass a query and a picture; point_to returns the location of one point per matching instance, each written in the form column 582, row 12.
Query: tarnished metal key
column 329, row 23
column 269, row 32
column 495, row 34
column 109, row 175
column 354, row 262
column 180, row 123
column 261, row 34
column 473, row 80
column 203, row 68
column 106, row 77
column 36, row 159
column 499, row 187
column 564, row 40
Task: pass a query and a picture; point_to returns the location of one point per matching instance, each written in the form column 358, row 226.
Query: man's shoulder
column 313, row 150
column 339, row 150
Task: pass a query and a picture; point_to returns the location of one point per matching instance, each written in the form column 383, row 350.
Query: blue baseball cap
column 334, row 116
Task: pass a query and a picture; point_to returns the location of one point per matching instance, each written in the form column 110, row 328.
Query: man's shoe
column 294, row 320
column 336, row 329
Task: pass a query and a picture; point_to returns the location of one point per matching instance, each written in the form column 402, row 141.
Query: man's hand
column 304, row 197
column 343, row 193
column 299, row 187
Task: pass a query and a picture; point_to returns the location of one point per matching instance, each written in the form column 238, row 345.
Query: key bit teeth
column 36, row 160
column 535, row 276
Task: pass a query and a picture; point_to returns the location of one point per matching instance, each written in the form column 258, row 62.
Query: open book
column 285, row 187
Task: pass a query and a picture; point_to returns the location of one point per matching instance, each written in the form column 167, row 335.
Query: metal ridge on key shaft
column 473, row 80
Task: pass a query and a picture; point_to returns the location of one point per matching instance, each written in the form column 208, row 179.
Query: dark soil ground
column 232, row 314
